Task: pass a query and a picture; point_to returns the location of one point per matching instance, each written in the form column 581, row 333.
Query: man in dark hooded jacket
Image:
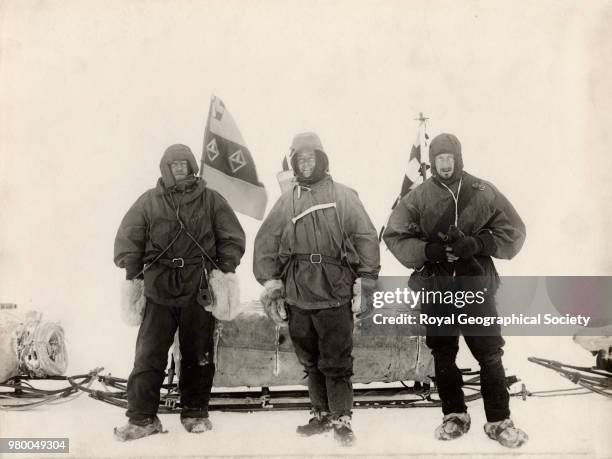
column 182, row 237
column 447, row 230
column 316, row 249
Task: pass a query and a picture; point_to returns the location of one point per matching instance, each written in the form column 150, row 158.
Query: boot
column 196, row 425
column 343, row 432
column 133, row 431
column 319, row 423
column 505, row 433
column 453, row 426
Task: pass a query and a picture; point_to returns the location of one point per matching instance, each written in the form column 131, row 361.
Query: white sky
column 91, row 93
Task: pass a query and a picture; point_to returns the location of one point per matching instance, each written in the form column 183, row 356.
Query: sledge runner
column 316, row 249
column 447, row 230
column 179, row 241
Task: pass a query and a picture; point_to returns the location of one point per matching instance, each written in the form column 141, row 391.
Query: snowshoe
column 319, row 423
column 343, row 432
column 196, row 425
column 132, row 431
column 505, row 433
column 453, row 426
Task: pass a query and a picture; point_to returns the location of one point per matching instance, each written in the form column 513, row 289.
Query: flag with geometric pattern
column 227, row 164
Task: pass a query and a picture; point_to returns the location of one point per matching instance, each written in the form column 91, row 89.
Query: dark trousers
column 323, row 342
column 155, row 336
column 487, row 350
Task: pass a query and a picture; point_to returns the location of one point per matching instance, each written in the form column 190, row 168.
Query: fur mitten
column 363, row 291
column 273, row 299
column 226, row 294
column 133, row 301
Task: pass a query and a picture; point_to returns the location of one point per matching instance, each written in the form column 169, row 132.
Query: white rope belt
column 313, row 209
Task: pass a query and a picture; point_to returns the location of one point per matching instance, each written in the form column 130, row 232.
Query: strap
column 180, row 262
column 313, row 209
column 317, row 258
column 184, row 228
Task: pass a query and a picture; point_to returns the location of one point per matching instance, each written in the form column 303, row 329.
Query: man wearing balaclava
column 179, row 244
column 316, row 254
column 447, row 229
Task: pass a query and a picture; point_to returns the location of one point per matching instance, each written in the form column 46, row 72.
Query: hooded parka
column 476, row 207
column 317, row 238
column 151, row 235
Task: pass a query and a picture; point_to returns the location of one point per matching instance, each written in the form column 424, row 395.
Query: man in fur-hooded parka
column 180, row 232
column 447, row 230
column 314, row 246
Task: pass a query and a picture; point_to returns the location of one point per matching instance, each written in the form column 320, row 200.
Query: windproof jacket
column 477, row 209
column 151, row 228
column 317, row 239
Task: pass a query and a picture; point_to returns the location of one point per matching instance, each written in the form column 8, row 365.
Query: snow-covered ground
column 559, row 426
column 91, row 93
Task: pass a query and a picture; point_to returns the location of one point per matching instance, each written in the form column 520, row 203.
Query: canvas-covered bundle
column 29, row 346
column 252, row 351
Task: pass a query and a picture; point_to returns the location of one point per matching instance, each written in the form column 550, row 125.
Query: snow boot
column 320, row 422
column 343, row 432
column 196, row 425
column 132, row 431
column 505, row 433
column 453, row 426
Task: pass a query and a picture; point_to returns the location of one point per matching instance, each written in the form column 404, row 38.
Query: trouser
column 323, row 342
column 488, row 351
column 155, row 336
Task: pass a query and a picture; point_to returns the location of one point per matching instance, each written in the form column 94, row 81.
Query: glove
column 273, row 300
column 434, row 251
column 466, row 247
column 133, row 301
column 363, row 291
column 226, row 295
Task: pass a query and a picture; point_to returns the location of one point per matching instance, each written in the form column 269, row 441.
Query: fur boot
column 196, row 425
column 505, row 433
column 134, row 431
column 453, row 426
column 133, row 302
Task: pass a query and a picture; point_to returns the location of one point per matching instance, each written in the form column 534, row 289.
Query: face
column 445, row 165
column 306, row 162
column 179, row 169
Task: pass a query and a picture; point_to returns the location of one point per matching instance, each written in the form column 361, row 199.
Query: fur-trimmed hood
column 176, row 152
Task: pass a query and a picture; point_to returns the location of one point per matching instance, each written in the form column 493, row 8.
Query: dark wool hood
column 176, row 152
column 446, row 143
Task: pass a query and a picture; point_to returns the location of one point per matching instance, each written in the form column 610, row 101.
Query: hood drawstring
column 455, row 198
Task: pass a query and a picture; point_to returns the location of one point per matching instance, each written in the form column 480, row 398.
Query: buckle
column 313, row 257
column 174, row 260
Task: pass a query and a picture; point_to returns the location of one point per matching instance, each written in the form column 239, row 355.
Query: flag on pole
column 412, row 173
column 416, row 169
column 286, row 177
column 227, row 164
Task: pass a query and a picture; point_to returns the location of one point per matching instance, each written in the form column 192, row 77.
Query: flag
column 415, row 170
column 286, row 178
column 227, row 164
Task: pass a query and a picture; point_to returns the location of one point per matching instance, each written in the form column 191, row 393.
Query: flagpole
column 206, row 130
column 422, row 143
